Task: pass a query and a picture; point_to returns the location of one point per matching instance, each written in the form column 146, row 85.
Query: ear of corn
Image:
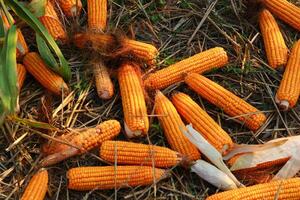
column 133, row 100
column 289, row 89
column 97, row 14
column 53, row 24
column 275, row 47
column 81, row 142
column 37, row 186
column 70, row 7
column 172, row 125
column 47, row 78
column 283, row 189
column 104, row 85
column 199, row 63
column 284, row 10
column 230, row 103
column 21, row 71
column 130, row 153
column 202, row 122
column 142, row 51
column 110, row 177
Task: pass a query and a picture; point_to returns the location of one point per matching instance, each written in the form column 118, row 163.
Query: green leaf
column 37, row 7
column 8, row 74
column 63, row 69
column 45, row 52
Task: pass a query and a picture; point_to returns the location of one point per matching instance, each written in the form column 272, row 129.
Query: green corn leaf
column 37, row 7
column 63, row 69
column 8, row 74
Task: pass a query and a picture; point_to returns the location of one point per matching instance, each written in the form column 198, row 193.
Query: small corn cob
column 284, row 10
column 140, row 50
column 281, row 189
column 104, row 85
column 47, row 78
column 172, row 125
column 289, row 89
column 81, row 142
column 199, row 63
column 110, row 177
column 130, row 153
column 230, row 103
column 21, row 71
column 97, row 14
column 53, row 24
column 202, row 122
column 133, row 100
column 37, row 187
column 275, row 47
column 70, row 7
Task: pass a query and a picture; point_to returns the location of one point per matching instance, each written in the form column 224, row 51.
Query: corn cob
column 199, row 63
column 289, row 89
column 275, row 47
column 104, row 85
column 110, row 177
column 284, row 10
column 172, row 125
column 282, row 189
column 230, row 103
column 81, row 142
column 133, row 100
column 53, row 24
column 142, row 51
column 202, row 122
column 47, row 78
column 70, row 7
column 37, row 187
column 130, row 153
column 21, row 71
column 97, row 14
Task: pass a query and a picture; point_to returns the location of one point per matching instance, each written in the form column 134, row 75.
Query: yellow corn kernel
column 202, row 122
column 40, row 71
column 289, row 88
column 284, row 10
column 97, row 14
column 110, row 177
column 37, row 186
column 70, row 7
column 172, row 126
column 104, row 85
column 276, row 50
column 130, row 153
column 133, row 101
column 281, row 189
column 233, row 105
column 199, row 63
column 21, row 72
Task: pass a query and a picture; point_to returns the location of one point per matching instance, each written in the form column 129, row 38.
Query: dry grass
column 180, row 29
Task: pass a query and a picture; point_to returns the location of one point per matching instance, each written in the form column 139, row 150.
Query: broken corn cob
column 97, row 14
column 172, row 125
column 282, row 189
column 21, row 72
column 130, row 153
column 226, row 100
column 289, row 89
column 199, row 63
column 81, row 142
column 142, row 51
column 37, row 187
column 284, row 10
column 110, row 177
column 47, row 78
column 202, row 122
column 70, row 7
column 104, row 85
column 133, row 101
column 53, row 24
column 275, row 47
